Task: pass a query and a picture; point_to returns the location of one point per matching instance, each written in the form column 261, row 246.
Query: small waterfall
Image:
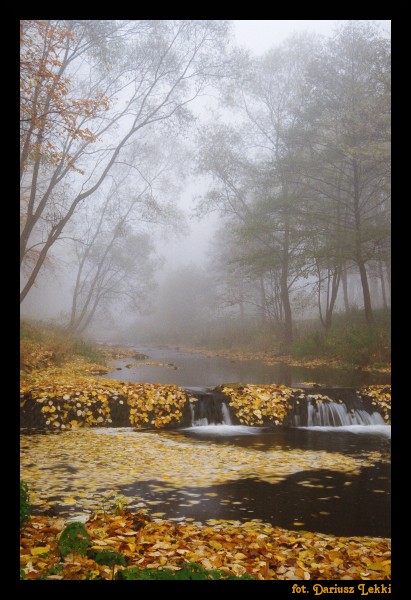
column 314, row 411
column 226, row 414
column 334, row 407
column 209, row 408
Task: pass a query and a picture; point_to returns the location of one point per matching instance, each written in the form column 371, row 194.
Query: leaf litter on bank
column 253, row 548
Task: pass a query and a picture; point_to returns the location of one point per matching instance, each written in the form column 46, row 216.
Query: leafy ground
column 238, row 548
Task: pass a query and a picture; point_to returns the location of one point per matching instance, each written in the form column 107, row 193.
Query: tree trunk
column 366, row 293
column 345, row 290
column 285, row 296
column 263, row 301
column 388, row 271
column 358, row 247
column 335, row 285
column 383, row 293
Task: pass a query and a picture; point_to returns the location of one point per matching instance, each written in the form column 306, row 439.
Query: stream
column 188, row 369
column 328, row 470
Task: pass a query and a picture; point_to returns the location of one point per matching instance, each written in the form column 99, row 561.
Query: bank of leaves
column 77, row 401
column 256, row 404
column 253, row 548
column 380, row 396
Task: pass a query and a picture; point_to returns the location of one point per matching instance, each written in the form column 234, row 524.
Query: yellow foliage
column 252, row 403
column 380, row 396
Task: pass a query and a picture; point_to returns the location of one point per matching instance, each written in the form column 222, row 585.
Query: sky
column 260, row 36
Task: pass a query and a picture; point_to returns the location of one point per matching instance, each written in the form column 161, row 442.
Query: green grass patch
column 188, row 571
column 24, row 503
column 350, row 340
column 74, row 540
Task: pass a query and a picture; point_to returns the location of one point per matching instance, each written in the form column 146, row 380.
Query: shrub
column 350, row 340
column 74, row 540
column 109, row 557
column 311, row 346
column 24, row 503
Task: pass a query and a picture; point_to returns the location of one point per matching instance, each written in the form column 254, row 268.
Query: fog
column 204, row 183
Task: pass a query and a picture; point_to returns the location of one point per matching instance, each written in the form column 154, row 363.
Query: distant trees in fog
column 303, row 177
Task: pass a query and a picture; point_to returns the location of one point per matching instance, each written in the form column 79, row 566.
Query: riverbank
column 59, row 388
column 253, row 548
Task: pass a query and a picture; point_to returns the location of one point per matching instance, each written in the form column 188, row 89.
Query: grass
column 350, row 340
column 44, row 345
column 24, row 503
column 187, row 572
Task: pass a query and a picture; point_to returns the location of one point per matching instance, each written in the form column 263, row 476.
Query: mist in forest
column 205, row 183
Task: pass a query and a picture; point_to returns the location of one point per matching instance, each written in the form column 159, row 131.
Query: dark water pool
column 335, row 482
column 189, row 369
column 323, row 499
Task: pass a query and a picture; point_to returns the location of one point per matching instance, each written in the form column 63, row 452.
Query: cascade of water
column 226, row 414
column 344, row 408
column 316, row 413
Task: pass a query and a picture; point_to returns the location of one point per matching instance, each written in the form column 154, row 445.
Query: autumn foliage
column 51, row 114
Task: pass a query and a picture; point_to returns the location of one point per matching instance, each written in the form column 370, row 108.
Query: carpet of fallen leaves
column 253, row 547
column 255, row 403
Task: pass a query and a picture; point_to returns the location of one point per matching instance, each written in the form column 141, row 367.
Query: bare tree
column 147, row 72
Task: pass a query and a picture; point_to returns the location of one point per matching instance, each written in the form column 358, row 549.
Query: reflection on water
column 225, row 430
column 194, row 369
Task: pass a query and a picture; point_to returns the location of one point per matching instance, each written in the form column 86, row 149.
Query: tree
column 253, row 169
column 154, row 68
column 119, row 269
column 110, row 230
column 348, row 118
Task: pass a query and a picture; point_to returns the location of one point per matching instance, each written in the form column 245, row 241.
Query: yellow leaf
column 207, row 564
column 379, row 566
column 40, row 550
column 97, row 544
column 238, row 570
column 69, row 501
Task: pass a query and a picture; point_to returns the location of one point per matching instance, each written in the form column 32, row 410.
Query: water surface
column 188, row 369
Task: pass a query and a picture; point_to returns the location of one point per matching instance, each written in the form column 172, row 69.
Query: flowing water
column 327, row 469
